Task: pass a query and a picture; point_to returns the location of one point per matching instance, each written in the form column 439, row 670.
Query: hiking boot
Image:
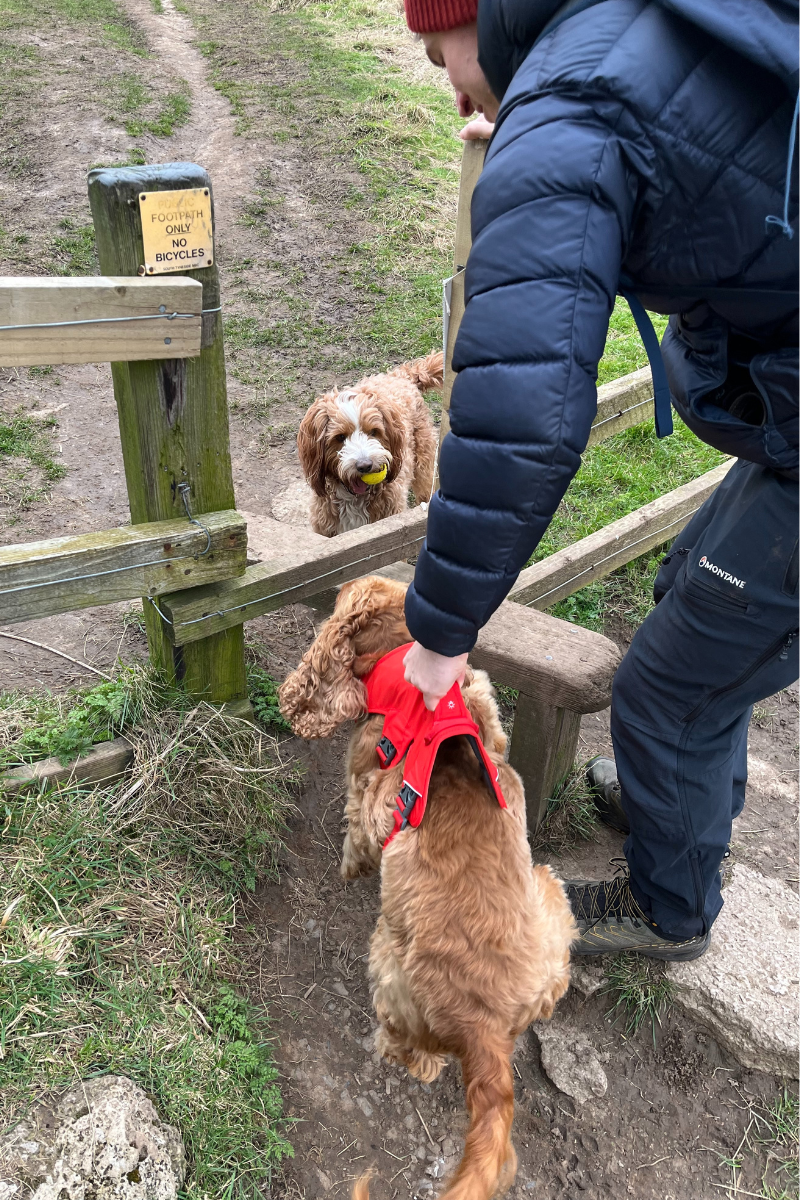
column 601, row 776
column 610, row 920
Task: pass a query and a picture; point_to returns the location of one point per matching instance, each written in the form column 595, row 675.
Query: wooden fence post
column 173, row 418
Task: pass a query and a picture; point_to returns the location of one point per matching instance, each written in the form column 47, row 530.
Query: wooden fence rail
column 40, row 579
column 45, row 321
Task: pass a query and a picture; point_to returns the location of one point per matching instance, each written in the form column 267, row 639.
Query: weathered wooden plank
column 471, row 166
column 544, row 741
column 102, row 765
column 100, row 303
column 622, row 403
column 292, row 576
column 39, row 579
column 559, row 663
column 173, row 415
column 600, row 553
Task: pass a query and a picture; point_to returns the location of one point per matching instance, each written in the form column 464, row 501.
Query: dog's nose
column 363, row 465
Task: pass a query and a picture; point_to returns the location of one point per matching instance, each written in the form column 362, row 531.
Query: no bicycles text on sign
column 176, row 230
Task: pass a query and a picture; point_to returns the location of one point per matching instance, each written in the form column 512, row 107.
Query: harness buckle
column 386, row 751
column 406, row 800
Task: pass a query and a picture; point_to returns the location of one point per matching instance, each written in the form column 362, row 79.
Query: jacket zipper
column 783, row 643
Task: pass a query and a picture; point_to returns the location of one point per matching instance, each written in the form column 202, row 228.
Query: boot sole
column 665, row 955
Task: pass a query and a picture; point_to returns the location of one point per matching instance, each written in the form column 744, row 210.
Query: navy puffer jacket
column 639, row 139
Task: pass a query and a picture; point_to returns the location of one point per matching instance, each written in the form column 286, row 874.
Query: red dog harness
column 411, row 730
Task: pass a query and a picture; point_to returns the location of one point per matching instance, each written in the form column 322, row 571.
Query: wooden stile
column 568, row 570
column 173, row 416
column 121, row 319
column 292, row 577
column 39, row 579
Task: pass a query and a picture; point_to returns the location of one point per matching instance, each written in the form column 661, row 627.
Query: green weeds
column 263, row 691
column 64, row 727
column 641, row 989
column 117, row 941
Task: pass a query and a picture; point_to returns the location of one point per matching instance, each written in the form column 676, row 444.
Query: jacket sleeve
column 550, row 220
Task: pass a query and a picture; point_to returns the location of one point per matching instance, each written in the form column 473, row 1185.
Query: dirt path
column 284, row 220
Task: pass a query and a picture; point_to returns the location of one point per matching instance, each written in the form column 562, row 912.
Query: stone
column 745, row 987
column 365, row 1106
column 102, row 1139
column 325, row 1180
column 293, row 505
column 571, row 1062
column 338, row 987
column 586, row 977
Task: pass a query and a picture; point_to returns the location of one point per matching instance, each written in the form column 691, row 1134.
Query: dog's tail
column 489, row 1160
column 424, row 373
column 361, row 1187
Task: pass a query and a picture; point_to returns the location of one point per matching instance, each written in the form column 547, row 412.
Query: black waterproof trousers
column 723, row 635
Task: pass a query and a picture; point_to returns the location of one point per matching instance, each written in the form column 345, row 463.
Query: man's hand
column 477, row 130
column 433, row 674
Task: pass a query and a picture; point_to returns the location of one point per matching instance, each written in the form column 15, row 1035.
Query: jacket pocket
column 781, row 644
column 696, row 590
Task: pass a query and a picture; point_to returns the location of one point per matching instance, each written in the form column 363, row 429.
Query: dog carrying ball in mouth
column 364, row 448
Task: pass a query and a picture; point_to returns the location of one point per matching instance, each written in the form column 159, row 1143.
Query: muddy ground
column 675, row 1104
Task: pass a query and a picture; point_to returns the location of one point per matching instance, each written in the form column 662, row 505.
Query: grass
column 104, row 17
column 25, row 446
column 570, row 816
column 771, row 1135
column 641, row 991
column 119, row 940
column 73, row 250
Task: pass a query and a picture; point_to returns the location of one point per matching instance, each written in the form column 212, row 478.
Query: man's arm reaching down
column 550, row 218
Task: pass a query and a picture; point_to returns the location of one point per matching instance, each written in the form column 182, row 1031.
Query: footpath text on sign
column 177, row 230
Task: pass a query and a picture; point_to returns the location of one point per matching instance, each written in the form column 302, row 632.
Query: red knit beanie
column 434, row 16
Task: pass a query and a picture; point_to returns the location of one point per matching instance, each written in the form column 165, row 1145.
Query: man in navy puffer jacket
column 640, row 145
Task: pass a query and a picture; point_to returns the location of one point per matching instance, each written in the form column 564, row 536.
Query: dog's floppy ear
column 395, row 433
column 324, row 691
column 311, row 442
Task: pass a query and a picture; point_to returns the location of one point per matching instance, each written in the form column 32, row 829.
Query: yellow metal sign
column 177, row 230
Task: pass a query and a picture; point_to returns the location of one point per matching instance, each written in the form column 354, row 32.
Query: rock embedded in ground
column 745, row 987
column 586, row 977
column 293, row 505
column 103, row 1139
column 571, row 1061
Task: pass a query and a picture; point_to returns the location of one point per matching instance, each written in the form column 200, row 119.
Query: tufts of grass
column 263, row 691
column 570, row 816
column 640, row 989
column 119, row 941
column 174, row 112
column 772, row 1136
column 73, row 251
column 25, row 447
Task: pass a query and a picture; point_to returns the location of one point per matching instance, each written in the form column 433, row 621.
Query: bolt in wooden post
column 173, row 418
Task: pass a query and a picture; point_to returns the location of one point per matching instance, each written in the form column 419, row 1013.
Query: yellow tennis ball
column 376, row 476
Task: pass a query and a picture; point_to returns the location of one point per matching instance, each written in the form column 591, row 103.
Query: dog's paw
column 508, row 1171
column 354, row 864
column 424, row 1066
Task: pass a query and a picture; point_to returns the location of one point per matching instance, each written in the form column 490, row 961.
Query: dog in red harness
column 472, row 943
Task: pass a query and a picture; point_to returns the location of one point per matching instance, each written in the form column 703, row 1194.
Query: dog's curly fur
column 383, row 420
column 472, row 943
